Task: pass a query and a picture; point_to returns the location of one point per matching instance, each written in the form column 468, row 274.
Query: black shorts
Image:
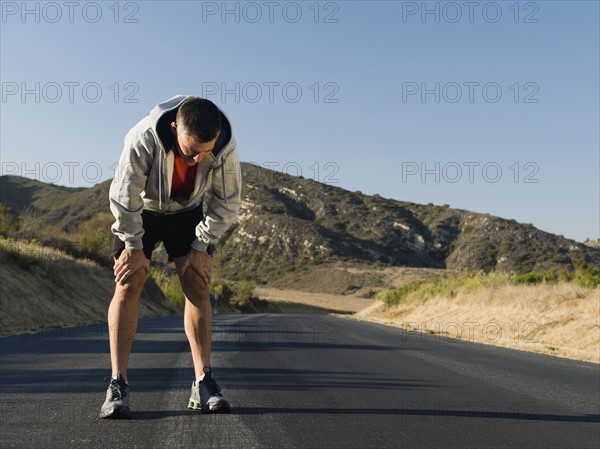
column 177, row 232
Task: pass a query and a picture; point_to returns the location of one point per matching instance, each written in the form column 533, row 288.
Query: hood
column 164, row 114
column 161, row 118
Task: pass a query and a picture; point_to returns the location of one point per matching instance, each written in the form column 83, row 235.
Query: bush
column 449, row 286
column 587, row 277
column 536, row 278
column 243, row 294
column 223, row 289
column 8, row 222
column 33, row 225
column 170, row 286
column 94, row 239
column 392, row 297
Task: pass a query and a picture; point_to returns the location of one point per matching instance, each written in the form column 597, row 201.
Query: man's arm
column 126, row 203
column 225, row 201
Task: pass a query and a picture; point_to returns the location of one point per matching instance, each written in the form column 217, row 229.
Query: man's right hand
column 130, row 261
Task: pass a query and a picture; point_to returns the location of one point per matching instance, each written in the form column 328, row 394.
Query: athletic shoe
column 206, row 396
column 116, row 404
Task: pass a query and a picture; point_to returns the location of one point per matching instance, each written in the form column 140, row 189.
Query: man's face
column 189, row 148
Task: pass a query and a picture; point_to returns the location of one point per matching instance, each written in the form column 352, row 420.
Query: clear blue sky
column 488, row 106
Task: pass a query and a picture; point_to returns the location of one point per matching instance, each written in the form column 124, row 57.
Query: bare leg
column 197, row 318
column 122, row 321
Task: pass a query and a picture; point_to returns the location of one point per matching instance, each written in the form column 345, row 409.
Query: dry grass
column 557, row 319
column 290, row 299
column 42, row 287
column 360, row 280
column 561, row 319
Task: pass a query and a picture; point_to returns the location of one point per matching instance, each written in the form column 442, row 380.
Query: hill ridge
column 288, row 222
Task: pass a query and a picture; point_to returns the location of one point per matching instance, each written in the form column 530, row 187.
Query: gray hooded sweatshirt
column 143, row 179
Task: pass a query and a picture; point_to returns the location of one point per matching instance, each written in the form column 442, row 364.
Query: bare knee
column 193, row 286
column 133, row 285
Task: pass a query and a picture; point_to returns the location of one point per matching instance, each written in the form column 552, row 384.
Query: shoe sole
column 118, row 413
column 222, row 407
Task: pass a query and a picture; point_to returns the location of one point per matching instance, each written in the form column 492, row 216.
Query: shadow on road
column 321, row 411
column 418, row 412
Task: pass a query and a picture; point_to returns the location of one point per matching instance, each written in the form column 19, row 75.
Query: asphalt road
column 305, row 381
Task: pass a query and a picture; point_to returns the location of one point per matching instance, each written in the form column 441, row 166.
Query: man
column 183, row 149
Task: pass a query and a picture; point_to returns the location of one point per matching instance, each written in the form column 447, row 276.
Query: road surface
column 296, row 381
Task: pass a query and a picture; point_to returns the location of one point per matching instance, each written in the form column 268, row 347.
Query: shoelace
column 117, row 391
column 211, row 385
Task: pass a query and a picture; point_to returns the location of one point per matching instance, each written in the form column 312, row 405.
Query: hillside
column 556, row 319
column 59, row 206
column 288, row 223
column 42, row 287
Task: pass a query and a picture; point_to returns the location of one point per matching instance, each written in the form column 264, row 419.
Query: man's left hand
column 200, row 262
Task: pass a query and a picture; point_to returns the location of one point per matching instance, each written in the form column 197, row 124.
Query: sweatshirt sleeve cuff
column 134, row 244
column 199, row 245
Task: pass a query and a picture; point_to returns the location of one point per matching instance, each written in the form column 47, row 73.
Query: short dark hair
column 199, row 118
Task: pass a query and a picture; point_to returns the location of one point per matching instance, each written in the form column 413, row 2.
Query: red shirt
column 184, row 178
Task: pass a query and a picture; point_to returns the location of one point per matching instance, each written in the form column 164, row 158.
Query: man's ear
column 174, row 128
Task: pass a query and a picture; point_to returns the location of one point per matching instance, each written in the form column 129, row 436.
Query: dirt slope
column 51, row 289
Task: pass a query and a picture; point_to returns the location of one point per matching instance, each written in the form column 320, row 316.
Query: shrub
column 392, row 297
column 8, row 222
column 170, row 286
column 243, row 294
column 244, row 290
column 223, row 289
column 587, row 277
column 94, row 239
column 449, row 286
column 33, row 225
column 536, row 278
